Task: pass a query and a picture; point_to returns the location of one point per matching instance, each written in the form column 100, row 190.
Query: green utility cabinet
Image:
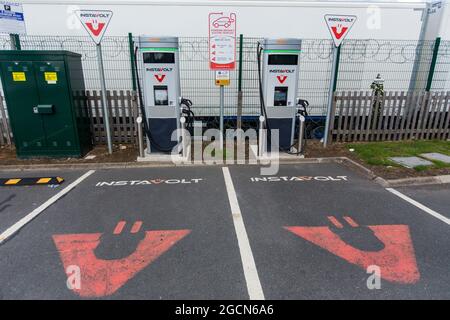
column 43, row 92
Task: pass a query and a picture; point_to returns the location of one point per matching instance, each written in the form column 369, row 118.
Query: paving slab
column 411, row 162
column 436, row 156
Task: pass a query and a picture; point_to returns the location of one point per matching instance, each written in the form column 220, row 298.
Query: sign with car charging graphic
column 222, row 40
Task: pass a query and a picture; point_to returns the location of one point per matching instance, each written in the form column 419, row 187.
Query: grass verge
column 378, row 153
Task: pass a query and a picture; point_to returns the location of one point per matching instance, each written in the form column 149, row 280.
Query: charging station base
column 165, row 158
column 274, row 155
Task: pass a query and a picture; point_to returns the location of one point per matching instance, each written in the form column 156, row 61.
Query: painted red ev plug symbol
column 108, row 261
column 387, row 246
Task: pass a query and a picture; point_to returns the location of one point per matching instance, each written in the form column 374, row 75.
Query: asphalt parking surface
column 298, row 257
column 202, row 261
column 435, row 197
column 18, row 201
column 169, row 233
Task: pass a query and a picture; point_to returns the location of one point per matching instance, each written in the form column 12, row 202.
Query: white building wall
column 255, row 18
column 395, row 21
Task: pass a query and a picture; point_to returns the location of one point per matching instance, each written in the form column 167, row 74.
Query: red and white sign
column 339, row 26
column 222, row 40
column 95, row 22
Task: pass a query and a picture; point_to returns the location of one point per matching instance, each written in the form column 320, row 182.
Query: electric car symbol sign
column 222, row 40
column 95, row 22
column 339, row 26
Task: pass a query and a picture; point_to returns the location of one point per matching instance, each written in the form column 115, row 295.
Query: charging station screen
column 283, row 59
column 161, row 95
column 280, row 96
column 159, row 57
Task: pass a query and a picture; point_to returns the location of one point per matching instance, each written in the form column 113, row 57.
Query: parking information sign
column 95, row 22
column 222, row 40
column 11, row 18
column 339, row 26
column 222, row 78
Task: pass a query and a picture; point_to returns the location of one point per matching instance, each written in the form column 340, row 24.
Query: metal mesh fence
column 403, row 64
column 441, row 77
column 315, row 71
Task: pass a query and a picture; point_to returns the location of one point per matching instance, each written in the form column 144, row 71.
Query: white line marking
column 248, row 262
column 33, row 214
column 420, row 206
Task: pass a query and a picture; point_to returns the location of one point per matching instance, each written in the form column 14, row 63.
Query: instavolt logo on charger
column 94, row 15
column 282, row 70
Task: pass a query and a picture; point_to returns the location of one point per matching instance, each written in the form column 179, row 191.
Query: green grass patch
column 378, row 153
column 223, row 154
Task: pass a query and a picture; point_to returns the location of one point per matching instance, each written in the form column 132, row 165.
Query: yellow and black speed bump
column 5, row 182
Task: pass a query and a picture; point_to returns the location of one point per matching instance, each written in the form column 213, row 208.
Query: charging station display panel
column 283, row 59
column 280, row 96
column 159, row 57
column 161, row 95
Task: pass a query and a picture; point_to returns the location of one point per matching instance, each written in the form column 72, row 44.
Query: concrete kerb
column 419, row 181
column 369, row 174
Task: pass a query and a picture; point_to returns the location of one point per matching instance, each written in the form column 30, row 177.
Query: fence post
column 133, row 71
column 433, row 64
column 239, row 107
column 15, row 41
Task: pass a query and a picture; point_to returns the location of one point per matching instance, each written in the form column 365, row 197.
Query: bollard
column 301, row 134
column 262, row 138
column 140, row 136
column 183, row 137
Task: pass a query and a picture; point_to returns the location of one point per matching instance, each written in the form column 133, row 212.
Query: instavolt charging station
column 161, row 91
column 279, row 87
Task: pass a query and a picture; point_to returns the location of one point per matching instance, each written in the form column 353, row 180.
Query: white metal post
column 140, row 136
column 301, row 133
column 183, row 137
column 222, row 102
column 262, row 138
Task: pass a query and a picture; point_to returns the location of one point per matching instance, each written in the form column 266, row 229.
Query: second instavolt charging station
column 162, row 92
column 279, row 87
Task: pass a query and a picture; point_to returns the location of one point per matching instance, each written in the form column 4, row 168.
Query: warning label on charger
column 51, row 77
column 19, row 76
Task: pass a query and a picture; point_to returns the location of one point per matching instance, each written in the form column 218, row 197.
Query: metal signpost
column 222, row 79
column 222, row 53
column 339, row 26
column 96, row 22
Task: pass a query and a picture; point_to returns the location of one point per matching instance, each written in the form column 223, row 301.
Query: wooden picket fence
column 360, row 116
column 123, row 111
